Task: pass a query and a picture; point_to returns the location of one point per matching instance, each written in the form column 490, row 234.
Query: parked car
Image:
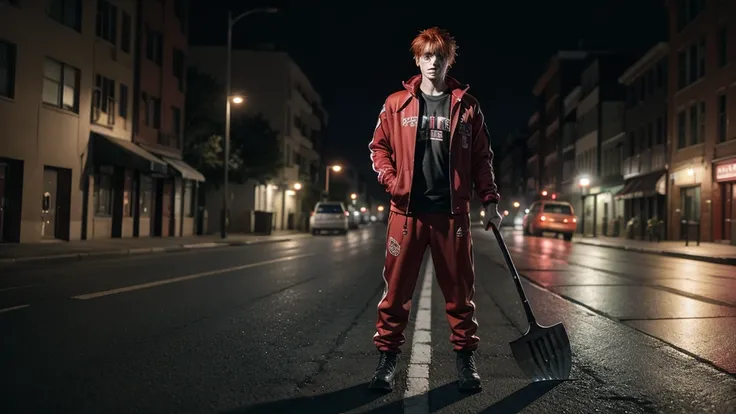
column 329, row 216
column 548, row 216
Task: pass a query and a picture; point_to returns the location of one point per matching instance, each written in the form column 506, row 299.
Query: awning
column 185, row 170
column 642, row 186
column 115, row 151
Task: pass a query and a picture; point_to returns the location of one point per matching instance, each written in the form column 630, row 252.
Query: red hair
column 435, row 41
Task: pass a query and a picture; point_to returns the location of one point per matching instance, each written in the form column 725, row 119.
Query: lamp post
column 335, row 168
column 228, row 86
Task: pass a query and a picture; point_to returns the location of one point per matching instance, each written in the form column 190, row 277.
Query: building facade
column 68, row 163
column 599, row 145
column 547, row 126
column 646, row 157
column 511, row 174
column 274, row 86
column 702, row 196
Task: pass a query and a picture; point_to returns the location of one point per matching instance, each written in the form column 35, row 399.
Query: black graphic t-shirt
column 431, row 186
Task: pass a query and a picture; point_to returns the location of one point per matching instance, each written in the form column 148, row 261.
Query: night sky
column 356, row 56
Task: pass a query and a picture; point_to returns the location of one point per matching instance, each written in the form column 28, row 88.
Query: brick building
column 702, row 184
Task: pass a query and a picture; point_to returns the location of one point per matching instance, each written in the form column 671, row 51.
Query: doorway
column 56, row 203
column 728, row 197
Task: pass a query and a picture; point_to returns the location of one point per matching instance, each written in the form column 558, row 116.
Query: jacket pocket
column 400, row 189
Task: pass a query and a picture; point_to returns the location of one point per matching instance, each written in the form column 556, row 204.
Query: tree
column 254, row 148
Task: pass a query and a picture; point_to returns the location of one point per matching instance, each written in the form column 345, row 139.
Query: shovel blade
column 544, row 353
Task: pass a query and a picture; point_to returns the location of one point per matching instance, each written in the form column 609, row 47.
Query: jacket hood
column 456, row 88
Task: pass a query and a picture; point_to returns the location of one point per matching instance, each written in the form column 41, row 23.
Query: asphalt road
column 287, row 327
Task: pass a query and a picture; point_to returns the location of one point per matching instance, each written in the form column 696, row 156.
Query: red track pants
column 451, row 246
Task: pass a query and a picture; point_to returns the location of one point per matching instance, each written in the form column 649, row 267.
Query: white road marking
column 17, row 287
column 188, row 277
column 416, row 395
column 13, row 308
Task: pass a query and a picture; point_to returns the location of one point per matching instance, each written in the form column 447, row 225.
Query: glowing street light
column 380, row 208
column 353, row 196
column 362, row 209
column 505, row 212
column 237, row 99
column 298, row 186
column 516, row 204
column 544, row 193
column 335, row 168
column 584, row 182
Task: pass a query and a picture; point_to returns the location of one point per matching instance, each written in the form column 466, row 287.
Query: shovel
column 543, row 352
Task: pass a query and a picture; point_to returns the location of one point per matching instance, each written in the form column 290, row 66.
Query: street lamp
column 516, row 204
column 236, row 99
column 353, row 196
column 380, row 208
column 335, row 168
column 298, row 186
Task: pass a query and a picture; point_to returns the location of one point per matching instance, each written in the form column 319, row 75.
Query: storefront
column 644, row 198
column 724, row 217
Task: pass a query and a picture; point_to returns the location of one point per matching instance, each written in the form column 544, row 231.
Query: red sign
column 726, row 172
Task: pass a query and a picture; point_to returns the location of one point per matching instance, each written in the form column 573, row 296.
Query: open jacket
column 394, row 139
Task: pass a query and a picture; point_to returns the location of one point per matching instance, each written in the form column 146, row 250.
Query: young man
column 430, row 148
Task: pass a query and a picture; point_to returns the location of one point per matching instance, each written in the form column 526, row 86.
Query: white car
column 329, row 216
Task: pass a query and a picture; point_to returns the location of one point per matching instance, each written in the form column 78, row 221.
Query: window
column 107, row 21
column 176, row 121
column 189, row 198
column 152, row 114
column 178, row 68
column 126, row 33
column 7, row 69
column 722, row 126
column 123, row 104
column 154, row 45
column 682, row 70
column 61, row 85
column 329, row 209
column 691, row 64
column 557, row 209
column 66, row 12
column 103, row 192
column 693, row 124
column 105, row 90
column 687, row 11
column 722, row 48
column 681, row 134
column 690, row 203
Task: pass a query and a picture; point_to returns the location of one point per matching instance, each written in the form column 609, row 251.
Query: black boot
column 467, row 375
column 383, row 377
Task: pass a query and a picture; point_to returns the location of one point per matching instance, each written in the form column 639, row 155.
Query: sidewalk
column 706, row 252
column 81, row 249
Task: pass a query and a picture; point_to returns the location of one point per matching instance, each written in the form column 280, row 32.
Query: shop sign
column 726, row 171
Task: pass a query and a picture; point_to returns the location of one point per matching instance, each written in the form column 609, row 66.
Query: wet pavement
column 688, row 304
column 287, row 328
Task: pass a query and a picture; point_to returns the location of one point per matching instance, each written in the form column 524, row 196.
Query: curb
column 74, row 257
column 731, row 261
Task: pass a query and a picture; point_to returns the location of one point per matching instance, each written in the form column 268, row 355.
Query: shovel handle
column 515, row 274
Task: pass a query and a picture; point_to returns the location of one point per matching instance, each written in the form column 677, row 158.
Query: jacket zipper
column 449, row 155
column 405, row 230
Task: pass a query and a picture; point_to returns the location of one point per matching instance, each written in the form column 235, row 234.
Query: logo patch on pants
column 393, row 247
column 459, row 232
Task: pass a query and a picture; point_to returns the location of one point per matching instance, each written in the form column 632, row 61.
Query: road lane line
column 187, row 277
column 17, row 287
column 416, row 394
column 13, row 308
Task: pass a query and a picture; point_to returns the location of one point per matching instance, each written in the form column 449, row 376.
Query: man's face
column 432, row 66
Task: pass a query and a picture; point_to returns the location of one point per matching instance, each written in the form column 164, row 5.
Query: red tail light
column 347, row 214
column 542, row 218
